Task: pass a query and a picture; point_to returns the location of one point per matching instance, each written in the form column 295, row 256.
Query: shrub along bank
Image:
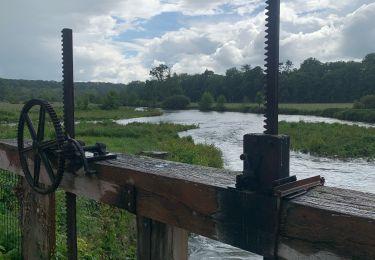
column 331, row 140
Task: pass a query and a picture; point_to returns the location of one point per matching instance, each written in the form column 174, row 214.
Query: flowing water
column 226, row 130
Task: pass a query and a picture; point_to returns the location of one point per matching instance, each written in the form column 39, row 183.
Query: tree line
column 312, row 82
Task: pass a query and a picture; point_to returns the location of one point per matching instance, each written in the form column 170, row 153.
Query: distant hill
column 18, row 90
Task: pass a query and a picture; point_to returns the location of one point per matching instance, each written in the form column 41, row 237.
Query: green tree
column 220, row 103
column 206, row 101
column 259, row 98
column 83, row 102
column 368, row 101
column 176, row 102
column 161, row 72
column 111, row 101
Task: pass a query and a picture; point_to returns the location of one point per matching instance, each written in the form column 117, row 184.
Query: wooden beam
column 159, row 241
column 204, row 201
column 37, row 224
column 329, row 223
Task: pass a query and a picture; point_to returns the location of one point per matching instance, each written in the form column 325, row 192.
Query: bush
column 259, row 98
column 367, row 101
column 82, row 102
column 111, row 101
column 358, row 104
column 206, row 101
column 220, row 103
column 176, row 102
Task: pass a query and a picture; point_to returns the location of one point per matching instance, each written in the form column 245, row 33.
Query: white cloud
column 358, row 32
column 30, row 47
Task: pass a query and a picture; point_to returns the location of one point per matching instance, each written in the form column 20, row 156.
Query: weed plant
column 331, row 140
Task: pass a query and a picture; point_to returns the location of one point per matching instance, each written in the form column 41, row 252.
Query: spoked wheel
column 41, row 159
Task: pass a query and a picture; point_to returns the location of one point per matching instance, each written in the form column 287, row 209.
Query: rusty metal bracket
column 129, row 198
column 296, row 187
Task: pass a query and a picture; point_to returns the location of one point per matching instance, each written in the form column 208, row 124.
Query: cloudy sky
column 120, row 40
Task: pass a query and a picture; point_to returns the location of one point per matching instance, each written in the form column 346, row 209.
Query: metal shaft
column 272, row 66
column 68, row 100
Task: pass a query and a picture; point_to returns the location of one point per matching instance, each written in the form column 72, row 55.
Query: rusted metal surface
column 68, row 86
column 297, row 187
column 266, row 159
column 40, row 147
column 272, row 66
column 204, row 201
column 68, row 101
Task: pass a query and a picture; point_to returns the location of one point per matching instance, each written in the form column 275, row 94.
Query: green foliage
column 259, row 98
column 111, row 101
column 313, row 82
column 360, row 115
column 206, row 101
column 9, row 221
column 82, row 102
column 160, row 72
column 331, row 140
column 176, row 102
column 367, row 101
column 104, row 232
column 187, row 152
column 220, row 103
column 9, row 113
column 358, row 104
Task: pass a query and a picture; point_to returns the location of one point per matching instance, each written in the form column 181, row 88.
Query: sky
column 121, row 40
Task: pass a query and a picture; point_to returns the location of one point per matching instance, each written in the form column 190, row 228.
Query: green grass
column 331, row 140
column 9, row 206
column 120, row 113
column 103, row 232
column 285, row 108
column 9, row 113
column 314, row 106
column 137, row 137
column 239, row 107
column 343, row 111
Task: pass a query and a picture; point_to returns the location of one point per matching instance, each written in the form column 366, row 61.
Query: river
column 225, row 130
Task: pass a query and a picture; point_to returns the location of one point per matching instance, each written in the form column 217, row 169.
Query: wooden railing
column 171, row 199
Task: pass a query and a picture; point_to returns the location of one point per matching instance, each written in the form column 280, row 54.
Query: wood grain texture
column 325, row 222
column 329, row 222
column 37, row 224
column 159, row 241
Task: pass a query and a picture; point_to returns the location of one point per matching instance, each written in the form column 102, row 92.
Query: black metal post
column 71, row 218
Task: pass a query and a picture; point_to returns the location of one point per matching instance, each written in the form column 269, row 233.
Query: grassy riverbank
column 331, row 140
column 343, row 111
column 9, row 113
column 305, row 107
column 105, row 232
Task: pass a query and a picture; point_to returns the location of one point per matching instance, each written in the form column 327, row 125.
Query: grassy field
column 318, row 109
column 343, row 111
column 239, row 107
column 105, row 232
column 314, row 106
column 331, row 140
column 9, row 113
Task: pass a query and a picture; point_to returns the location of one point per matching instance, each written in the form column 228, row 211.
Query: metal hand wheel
column 41, row 158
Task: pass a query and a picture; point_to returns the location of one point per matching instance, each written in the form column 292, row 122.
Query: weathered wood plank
column 159, row 241
column 329, row 223
column 37, row 224
column 203, row 200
